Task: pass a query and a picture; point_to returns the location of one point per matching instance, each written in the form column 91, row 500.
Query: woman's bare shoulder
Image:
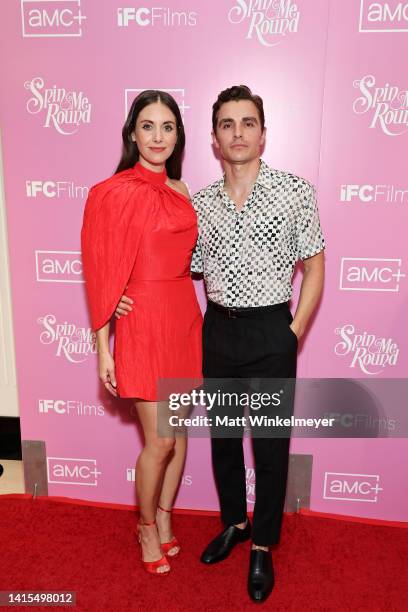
column 179, row 186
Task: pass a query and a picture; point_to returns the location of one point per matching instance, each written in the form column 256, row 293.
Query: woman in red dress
column 138, row 234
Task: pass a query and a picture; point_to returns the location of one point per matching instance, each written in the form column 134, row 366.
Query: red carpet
column 321, row 565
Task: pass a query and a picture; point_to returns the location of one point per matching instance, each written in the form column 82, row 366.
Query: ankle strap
column 146, row 523
column 164, row 509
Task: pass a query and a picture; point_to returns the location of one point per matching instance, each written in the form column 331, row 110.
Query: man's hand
column 124, row 307
column 298, row 333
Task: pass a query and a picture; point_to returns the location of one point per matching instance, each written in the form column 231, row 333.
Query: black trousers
column 260, row 346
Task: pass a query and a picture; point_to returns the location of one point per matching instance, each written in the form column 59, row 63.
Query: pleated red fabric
column 138, row 236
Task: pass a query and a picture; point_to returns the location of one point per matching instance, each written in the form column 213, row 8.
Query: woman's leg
column 150, row 470
column 171, row 481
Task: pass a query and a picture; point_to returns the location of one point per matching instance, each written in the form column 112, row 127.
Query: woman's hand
column 107, row 372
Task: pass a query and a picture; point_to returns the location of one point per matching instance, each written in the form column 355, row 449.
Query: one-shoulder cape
column 115, row 215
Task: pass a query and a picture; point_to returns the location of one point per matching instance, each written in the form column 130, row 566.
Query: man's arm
column 310, row 292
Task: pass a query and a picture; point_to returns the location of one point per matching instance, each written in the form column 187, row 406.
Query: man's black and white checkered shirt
column 248, row 257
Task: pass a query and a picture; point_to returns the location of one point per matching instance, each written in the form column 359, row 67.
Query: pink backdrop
column 335, row 92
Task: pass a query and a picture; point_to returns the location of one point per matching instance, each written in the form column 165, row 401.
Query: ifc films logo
column 379, row 193
column 56, row 189
column 186, row 480
column 155, row 16
column 69, row 408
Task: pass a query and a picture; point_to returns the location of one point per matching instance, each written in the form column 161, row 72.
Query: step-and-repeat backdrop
column 333, row 79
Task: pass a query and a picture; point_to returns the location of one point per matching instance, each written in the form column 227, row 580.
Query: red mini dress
column 137, row 238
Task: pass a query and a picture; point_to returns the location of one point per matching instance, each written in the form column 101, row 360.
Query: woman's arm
column 105, row 359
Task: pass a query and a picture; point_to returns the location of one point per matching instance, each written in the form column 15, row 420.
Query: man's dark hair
column 237, row 92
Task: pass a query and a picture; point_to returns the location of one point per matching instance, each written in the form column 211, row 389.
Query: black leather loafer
column 219, row 548
column 261, row 578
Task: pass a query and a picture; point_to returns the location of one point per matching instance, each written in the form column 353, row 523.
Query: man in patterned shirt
column 254, row 225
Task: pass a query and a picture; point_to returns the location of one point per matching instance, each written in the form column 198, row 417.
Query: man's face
column 238, row 136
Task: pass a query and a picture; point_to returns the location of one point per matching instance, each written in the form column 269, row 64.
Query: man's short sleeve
column 310, row 239
column 197, row 258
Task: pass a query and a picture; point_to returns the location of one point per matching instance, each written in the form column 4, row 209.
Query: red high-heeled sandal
column 152, row 566
column 167, row 546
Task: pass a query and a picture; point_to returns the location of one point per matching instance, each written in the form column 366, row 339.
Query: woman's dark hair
column 237, row 92
column 130, row 152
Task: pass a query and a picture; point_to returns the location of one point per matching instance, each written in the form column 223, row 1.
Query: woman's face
column 155, row 133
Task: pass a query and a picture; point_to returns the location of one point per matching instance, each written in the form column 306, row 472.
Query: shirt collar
column 264, row 178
